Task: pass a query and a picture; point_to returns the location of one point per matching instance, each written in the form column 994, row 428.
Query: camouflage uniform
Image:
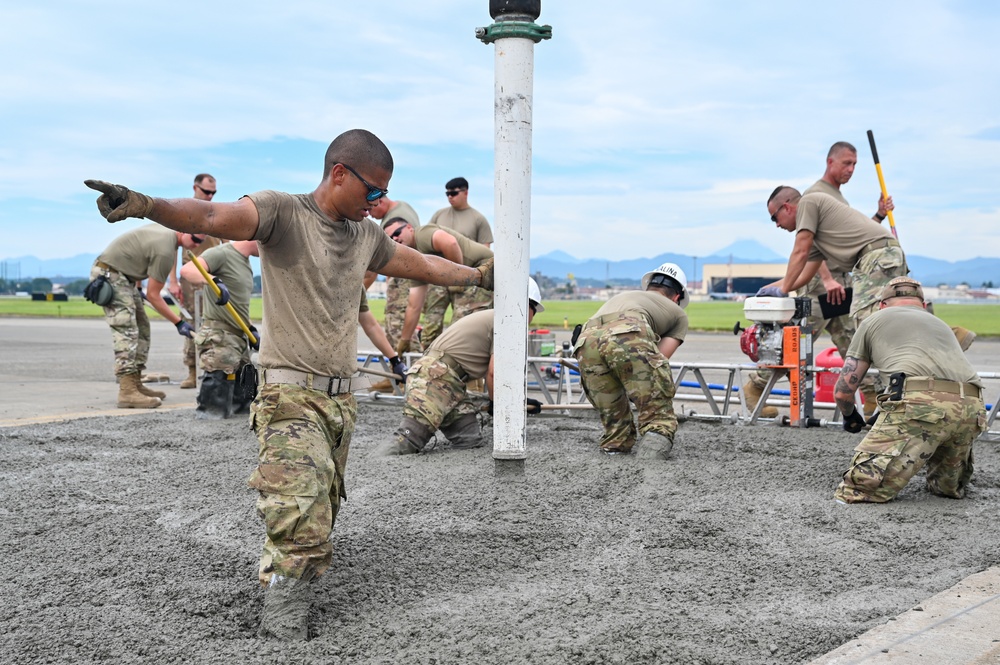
column 221, row 347
column 872, row 272
column 925, row 427
column 187, row 294
column 304, row 439
column 397, row 293
column 463, row 301
column 126, row 315
column 435, row 393
column 619, row 361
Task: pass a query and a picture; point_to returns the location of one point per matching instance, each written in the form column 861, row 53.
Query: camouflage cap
column 903, row 287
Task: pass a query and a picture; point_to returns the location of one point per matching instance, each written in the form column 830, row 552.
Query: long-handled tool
column 881, row 182
column 229, row 306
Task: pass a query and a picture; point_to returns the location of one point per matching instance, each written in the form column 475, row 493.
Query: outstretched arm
column 796, row 274
column 406, row 262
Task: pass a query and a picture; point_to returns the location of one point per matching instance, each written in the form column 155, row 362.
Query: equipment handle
column 217, row 291
column 881, row 182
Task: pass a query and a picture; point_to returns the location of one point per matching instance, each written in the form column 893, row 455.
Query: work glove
column 489, row 408
column 398, row 368
column 255, row 346
column 223, row 292
column 871, row 419
column 854, row 422
column 533, row 406
column 486, row 274
column 184, row 328
column 772, row 291
column 577, row 329
column 118, row 202
column 402, row 346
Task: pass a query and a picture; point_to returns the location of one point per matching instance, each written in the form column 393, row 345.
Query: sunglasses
column 774, row 217
column 206, row 192
column 452, row 192
column 374, row 193
column 195, row 239
column 399, row 230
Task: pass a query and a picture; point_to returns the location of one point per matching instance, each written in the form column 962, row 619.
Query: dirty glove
column 118, row 202
column 398, row 368
column 486, row 274
column 854, row 422
column 256, row 346
column 772, row 291
column 871, row 419
column 223, row 292
column 402, row 346
column 533, row 406
column 184, row 328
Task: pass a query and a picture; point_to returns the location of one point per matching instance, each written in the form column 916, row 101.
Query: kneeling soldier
column 436, row 385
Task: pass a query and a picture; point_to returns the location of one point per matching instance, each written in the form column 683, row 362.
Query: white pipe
column 514, row 63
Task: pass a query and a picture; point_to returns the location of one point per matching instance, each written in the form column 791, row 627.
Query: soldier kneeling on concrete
column 436, row 386
column 223, row 347
column 929, row 415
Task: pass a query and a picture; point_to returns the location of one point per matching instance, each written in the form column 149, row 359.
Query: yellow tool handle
column 218, row 292
column 881, row 182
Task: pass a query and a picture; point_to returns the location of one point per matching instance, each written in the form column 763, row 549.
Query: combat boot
column 215, row 398
column 287, row 601
column 383, row 386
column 964, row 336
column 192, row 379
column 148, row 392
column 410, row 438
column 129, row 395
column 752, row 394
column 654, row 445
column 464, row 433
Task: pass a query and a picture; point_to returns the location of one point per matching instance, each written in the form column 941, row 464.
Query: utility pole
column 513, row 35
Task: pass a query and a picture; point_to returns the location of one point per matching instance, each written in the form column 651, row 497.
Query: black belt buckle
column 329, row 386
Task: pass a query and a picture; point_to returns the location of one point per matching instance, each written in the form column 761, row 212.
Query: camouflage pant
column 870, row 275
column 841, row 329
column 435, row 395
column 925, row 427
column 221, row 349
column 126, row 315
column 304, row 439
column 620, row 362
column 463, row 301
column 187, row 295
column 397, row 293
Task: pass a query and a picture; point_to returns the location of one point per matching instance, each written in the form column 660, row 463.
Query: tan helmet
column 676, row 279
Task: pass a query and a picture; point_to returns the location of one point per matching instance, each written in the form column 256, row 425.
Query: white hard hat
column 535, row 295
column 674, row 272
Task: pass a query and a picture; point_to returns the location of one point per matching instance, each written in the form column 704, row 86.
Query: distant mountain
column 64, row 270
column 750, row 250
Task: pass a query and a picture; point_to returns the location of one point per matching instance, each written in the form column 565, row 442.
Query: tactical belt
column 104, row 266
column 331, row 385
column 615, row 316
column 452, row 363
column 878, row 244
column 942, row 386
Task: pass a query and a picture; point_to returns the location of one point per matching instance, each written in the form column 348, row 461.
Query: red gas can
column 826, row 381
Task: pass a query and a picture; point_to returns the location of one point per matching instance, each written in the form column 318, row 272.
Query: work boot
column 148, row 392
column 215, row 398
column 964, row 336
column 464, row 433
column 129, row 395
column 868, row 394
column 192, row 379
column 410, row 438
column 286, row 609
column 245, row 388
column 654, row 445
column 752, row 394
column 383, row 386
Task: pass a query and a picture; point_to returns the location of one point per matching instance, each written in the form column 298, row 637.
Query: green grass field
column 714, row 315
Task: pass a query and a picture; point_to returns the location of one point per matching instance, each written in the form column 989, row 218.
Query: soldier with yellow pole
column 226, row 336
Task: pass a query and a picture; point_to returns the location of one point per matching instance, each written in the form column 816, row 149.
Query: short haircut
column 780, row 191
column 668, row 291
column 200, row 178
column 360, row 149
column 457, row 183
column 838, row 146
column 394, row 220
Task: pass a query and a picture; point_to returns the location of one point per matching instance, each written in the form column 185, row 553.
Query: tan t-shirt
column 665, row 317
column 469, row 222
column 472, row 252
column 469, row 342
column 312, row 268
column 226, row 263
column 402, row 210
column 823, row 187
column 815, row 286
column 911, row 340
column 147, row 251
column 840, row 231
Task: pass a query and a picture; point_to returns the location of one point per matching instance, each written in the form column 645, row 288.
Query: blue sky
column 658, row 126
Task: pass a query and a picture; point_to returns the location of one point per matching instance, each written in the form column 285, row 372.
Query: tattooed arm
column 850, row 378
